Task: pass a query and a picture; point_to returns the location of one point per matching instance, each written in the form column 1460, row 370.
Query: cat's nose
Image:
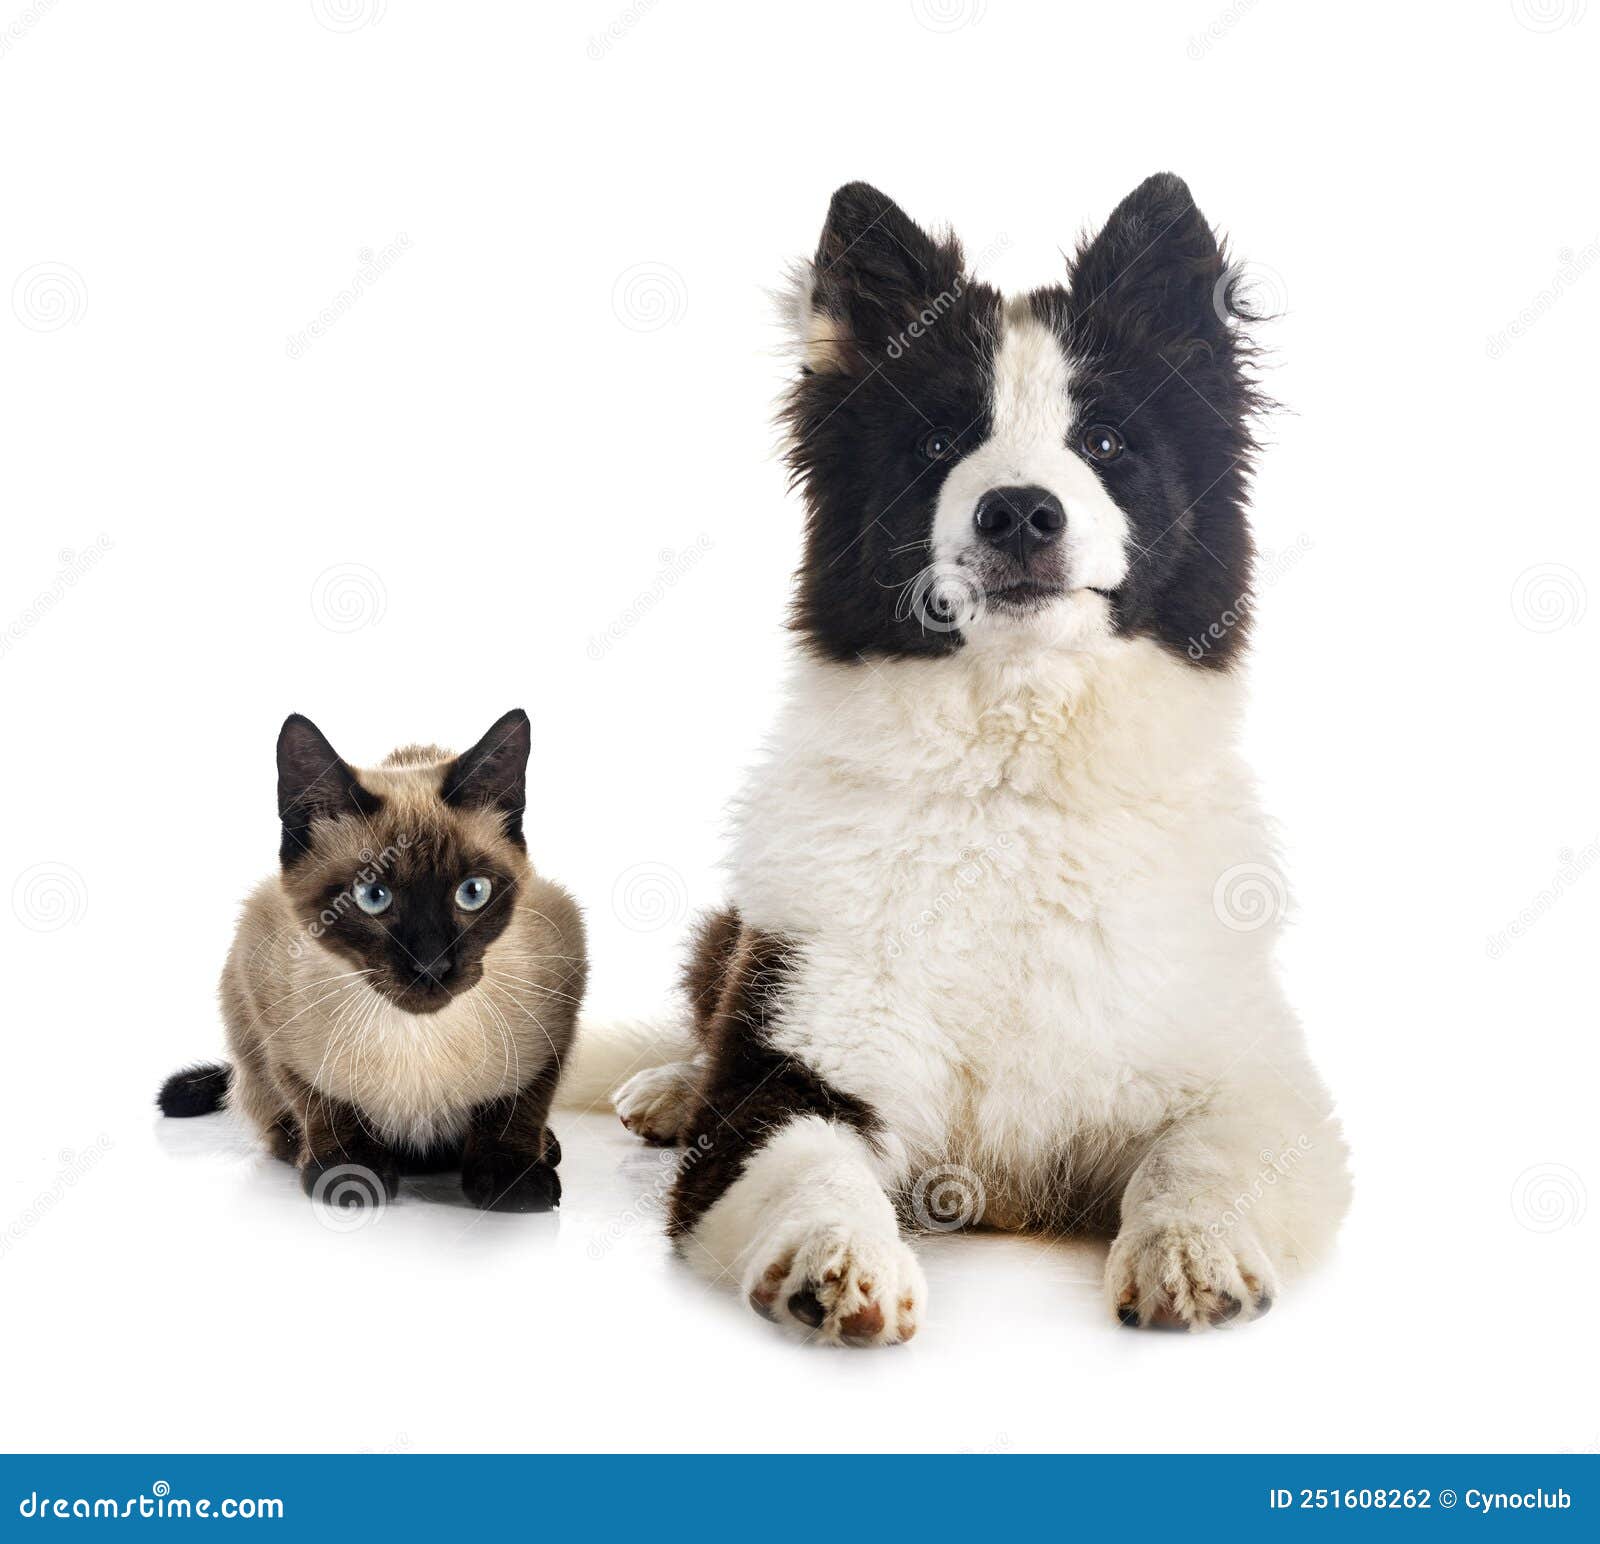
column 438, row 971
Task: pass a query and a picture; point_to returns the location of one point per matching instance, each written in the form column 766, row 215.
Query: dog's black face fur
column 899, row 388
column 859, row 421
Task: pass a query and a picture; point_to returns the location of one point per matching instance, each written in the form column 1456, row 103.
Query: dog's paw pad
column 1177, row 1276
column 655, row 1104
column 839, row 1287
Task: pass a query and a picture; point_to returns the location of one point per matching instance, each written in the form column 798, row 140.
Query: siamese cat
column 402, row 995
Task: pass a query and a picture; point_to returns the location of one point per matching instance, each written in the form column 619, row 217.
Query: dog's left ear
column 494, row 773
column 1156, row 269
column 875, row 271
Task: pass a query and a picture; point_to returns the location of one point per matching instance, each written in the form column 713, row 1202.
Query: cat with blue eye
column 402, row 994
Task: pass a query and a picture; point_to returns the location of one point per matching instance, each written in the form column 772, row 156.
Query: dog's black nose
column 1019, row 520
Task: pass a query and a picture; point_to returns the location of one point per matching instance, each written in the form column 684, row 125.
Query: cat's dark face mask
column 407, row 872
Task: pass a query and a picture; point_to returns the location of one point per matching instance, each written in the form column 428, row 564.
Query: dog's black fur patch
column 750, row 1091
column 857, row 432
column 1150, row 319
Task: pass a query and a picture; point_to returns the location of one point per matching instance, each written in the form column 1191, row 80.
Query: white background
column 533, row 463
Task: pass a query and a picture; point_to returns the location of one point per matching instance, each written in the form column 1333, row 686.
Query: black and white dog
column 998, row 948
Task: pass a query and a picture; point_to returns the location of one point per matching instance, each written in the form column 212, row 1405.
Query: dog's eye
column 1102, row 443
column 937, row 444
column 374, row 898
column 473, row 893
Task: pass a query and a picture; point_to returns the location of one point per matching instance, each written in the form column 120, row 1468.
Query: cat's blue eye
column 472, row 893
column 373, row 898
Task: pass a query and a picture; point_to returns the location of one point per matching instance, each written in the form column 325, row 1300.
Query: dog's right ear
column 313, row 781
column 1156, row 271
column 875, row 271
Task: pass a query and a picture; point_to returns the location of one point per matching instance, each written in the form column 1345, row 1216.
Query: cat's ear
column 875, row 271
column 313, row 781
column 494, row 773
column 1156, row 269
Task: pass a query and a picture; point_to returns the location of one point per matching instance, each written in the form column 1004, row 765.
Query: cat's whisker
column 508, row 1041
column 538, row 1024
column 536, row 986
column 306, row 987
column 267, row 1039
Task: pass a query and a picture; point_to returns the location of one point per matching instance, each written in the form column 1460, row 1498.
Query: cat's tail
column 196, row 1090
column 605, row 1055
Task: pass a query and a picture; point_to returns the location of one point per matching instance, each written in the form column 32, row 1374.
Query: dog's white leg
column 808, row 1233
column 1224, row 1204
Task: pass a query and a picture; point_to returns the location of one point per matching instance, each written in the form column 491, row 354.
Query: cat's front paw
column 1178, row 1275
column 838, row 1284
column 348, row 1185
column 509, row 1182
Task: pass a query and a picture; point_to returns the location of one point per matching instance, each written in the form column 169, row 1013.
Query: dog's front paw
column 655, row 1104
column 510, row 1182
column 1181, row 1276
column 838, row 1285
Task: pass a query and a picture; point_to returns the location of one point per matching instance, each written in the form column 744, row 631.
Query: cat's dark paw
column 351, row 1185
column 506, row 1182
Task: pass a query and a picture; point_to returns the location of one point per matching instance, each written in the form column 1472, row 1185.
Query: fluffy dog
column 998, row 949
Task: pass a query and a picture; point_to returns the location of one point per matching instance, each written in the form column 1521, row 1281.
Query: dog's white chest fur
column 1001, row 879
